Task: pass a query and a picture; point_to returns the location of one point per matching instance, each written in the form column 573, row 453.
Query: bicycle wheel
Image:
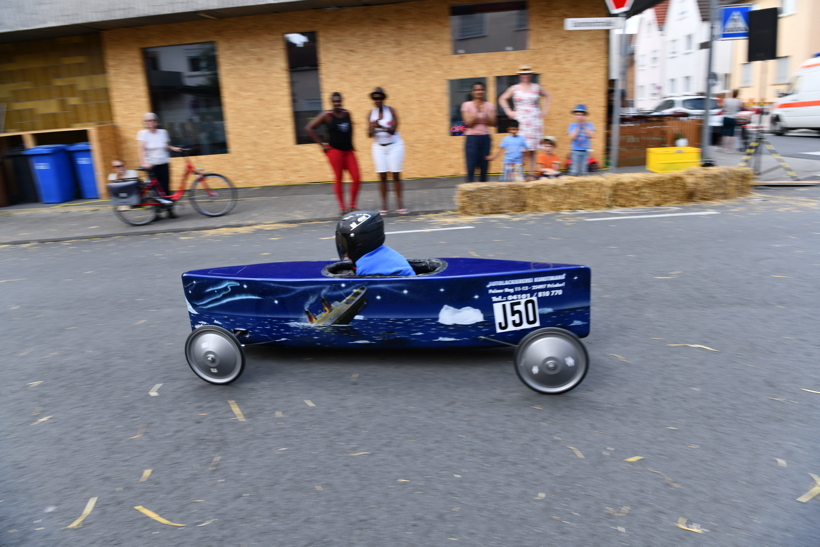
column 213, row 195
column 139, row 215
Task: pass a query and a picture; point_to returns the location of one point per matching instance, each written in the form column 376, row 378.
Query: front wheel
column 551, row 361
column 215, row 354
column 213, row 195
column 139, row 215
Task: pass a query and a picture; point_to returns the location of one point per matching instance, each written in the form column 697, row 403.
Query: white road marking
column 811, row 153
column 153, row 392
column 431, row 230
column 655, row 216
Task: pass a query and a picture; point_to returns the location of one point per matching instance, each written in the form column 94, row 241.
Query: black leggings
column 163, row 176
column 476, row 149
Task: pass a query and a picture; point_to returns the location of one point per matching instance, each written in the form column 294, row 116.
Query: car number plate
column 516, row 315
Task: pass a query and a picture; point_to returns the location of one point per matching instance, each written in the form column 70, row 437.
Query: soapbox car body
column 542, row 309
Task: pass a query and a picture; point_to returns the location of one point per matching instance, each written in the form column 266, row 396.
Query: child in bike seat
column 120, row 172
column 360, row 237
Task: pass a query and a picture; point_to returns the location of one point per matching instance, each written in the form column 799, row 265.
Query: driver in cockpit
column 360, row 237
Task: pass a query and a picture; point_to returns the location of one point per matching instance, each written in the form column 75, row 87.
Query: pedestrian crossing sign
column 735, row 22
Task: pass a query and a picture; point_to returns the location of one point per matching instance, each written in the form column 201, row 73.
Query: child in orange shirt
column 548, row 162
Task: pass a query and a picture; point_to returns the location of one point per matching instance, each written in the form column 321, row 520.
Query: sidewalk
column 287, row 204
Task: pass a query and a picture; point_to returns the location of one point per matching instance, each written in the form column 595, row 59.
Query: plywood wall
column 404, row 48
column 54, row 84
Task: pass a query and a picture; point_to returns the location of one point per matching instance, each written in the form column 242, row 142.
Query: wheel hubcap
column 552, row 363
column 214, row 355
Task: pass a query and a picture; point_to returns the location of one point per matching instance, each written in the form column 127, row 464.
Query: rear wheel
column 139, row 215
column 777, row 126
column 215, row 355
column 551, row 361
column 213, row 195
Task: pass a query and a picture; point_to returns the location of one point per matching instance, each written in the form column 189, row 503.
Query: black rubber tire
column 215, row 355
column 777, row 127
column 213, row 205
column 556, row 349
column 142, row 214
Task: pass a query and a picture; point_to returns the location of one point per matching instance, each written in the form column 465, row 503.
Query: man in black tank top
column 339, row 149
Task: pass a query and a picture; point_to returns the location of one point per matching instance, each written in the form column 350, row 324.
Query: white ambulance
column 799, row 106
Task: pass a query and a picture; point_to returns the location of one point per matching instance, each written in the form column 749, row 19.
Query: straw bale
column 567, row 194
column 715, row 183
column 649, row 189
column 487, row 198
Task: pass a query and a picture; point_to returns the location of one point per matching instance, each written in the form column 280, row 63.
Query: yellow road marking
column 155, row 516
column 87, row 511
column 813, row 492
column 235, row 408
column 634, row 459
column 577, row 452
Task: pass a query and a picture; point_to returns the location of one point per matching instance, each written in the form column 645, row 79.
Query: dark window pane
column 305, row 88
column 459, row 94
column 493, row 26
column 501, row 85
column 697, row 104
column 183, row 82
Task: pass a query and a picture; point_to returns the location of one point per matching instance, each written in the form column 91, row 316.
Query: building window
column 655, row 91
column 673, row 86
column 640, row 92
column 501, row 85
column 787, row 7
column 687, row 84
column 305, row 88
column 655, row 57
column 183, row 83
column 642, row 62
column 746, row 75
column 690, row 42
column 484, row 28
column 459, row 94
column 673, row 48
column 781, row 75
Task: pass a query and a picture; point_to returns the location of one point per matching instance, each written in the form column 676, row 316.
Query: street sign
column 594, row 23
column 618, row 6
column 734, row 22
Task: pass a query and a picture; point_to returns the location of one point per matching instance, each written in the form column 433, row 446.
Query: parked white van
column 799, row 106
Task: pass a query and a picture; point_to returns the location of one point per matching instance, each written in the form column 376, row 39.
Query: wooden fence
column 640, row 133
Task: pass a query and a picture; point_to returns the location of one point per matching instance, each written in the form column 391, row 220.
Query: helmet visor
column 341, row 245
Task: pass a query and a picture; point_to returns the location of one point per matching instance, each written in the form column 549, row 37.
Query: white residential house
column 650, row 55
column 685, row 28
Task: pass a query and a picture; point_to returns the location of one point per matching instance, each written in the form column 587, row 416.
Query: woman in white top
column 388, row 148
column 154, row 145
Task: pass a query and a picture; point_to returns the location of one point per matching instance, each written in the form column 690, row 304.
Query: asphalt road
column 804, row 144
column 426, row 448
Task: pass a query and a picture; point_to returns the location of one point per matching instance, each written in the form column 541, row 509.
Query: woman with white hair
column 154, row 145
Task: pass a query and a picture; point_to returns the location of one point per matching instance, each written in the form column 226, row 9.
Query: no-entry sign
column 618, row 6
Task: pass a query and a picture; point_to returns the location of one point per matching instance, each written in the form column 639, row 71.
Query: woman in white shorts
column 388, row 148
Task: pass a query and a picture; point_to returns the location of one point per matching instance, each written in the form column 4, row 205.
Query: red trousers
column 339, row 161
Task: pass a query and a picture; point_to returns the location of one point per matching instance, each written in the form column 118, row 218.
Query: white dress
column 388, row 150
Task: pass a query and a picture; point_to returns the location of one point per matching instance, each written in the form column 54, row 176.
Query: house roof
column 660, row 13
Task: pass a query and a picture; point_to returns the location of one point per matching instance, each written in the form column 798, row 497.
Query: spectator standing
column 731, row 108
column 478, row 116
column 580, row 133
column 526, row 97
column 387, row 148
column 338, row 149
column 514, row 145
column 154, row 145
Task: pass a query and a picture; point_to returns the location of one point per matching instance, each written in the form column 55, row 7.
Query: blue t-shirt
column 582, row 141
column 383, row 261
column 515, row 147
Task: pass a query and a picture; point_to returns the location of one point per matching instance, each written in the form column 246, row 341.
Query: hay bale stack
column 649, row 189
column 488, row 198
column 714, row 183
column 567, row 194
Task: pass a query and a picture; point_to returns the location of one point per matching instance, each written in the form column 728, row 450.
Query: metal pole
column 615, row 145
column 706, row 133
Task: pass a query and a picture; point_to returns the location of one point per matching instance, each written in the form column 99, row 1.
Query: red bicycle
column 138, row 202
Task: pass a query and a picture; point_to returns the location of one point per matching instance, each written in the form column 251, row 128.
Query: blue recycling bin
column 53, row 172
column 84, row 169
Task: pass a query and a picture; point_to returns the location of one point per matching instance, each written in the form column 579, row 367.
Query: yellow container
column 666, row 160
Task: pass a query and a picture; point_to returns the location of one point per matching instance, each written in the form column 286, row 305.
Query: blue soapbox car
column 541, row 309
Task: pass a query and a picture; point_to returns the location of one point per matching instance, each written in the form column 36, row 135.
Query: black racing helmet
column 359, row 233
